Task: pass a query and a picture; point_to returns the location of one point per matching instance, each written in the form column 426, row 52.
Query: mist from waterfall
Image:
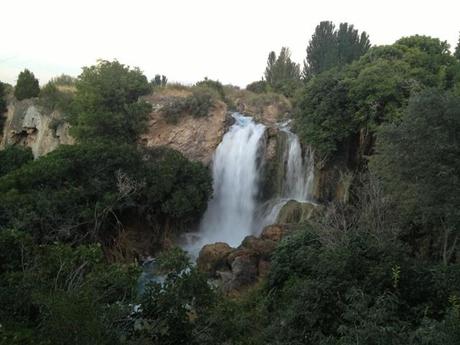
column 235, row 170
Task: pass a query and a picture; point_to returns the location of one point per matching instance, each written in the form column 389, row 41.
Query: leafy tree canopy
column 27, row 86
column 419, row 161
column 107, row 104
column 330, row 47
column 281, row 73
column 82, row 191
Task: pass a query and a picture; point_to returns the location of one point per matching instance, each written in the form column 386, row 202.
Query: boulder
column 213, row 257
column 244, row 271
column 273, row 232
column 295, row 212
column 262, row 248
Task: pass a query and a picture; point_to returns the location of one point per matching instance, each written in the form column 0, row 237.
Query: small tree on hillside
column 27, row 86
column 282, row 74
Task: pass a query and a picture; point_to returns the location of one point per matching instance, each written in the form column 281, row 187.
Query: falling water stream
column 234, row 211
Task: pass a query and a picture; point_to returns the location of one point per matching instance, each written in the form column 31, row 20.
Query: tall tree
column 27, row 86
column 331, row 47
column 419, row 161
column 107, row 104
column 457, row 50
column 282, row 74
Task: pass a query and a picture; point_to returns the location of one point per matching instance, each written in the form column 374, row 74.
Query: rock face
column 27, row 124
column 196, row 138
column 294, row 212
column 236, row 269
column 213, row 257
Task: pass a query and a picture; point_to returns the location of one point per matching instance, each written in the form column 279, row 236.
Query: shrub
column 198, row 104
column 107, row 103
column 13, row 157
column 27, row 86
column 259, row 86
column 52, row 98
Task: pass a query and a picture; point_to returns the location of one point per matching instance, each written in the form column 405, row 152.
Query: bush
column 52, row 98
column 107, row 103
column 86, row 190
column 198, row 104
column 260, row 86
column 14, row 157
column 26, row 86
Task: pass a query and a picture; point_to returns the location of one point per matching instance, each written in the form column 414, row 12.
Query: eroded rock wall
column 29, row 125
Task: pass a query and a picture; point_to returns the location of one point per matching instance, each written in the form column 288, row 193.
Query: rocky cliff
column 30, row 125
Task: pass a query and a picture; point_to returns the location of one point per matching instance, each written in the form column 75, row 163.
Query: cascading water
column 230, row 213
column 298, row 179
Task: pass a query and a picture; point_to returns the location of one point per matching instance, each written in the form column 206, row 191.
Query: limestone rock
column 196, row 138
column 213, row 257
column 262, row 248
column 273, row 232
column 295, row 212
column 27, row 124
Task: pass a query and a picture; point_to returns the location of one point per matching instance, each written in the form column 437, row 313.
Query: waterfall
column 235, row 169
column 299, row 171
column 234, row 211
column 297, row 180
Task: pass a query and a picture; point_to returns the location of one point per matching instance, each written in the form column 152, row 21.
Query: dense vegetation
column 27, row 86
column 382, row 268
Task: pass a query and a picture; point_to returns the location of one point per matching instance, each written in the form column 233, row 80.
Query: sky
column 187, row 40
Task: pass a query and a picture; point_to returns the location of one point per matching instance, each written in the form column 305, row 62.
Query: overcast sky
column 189, row 39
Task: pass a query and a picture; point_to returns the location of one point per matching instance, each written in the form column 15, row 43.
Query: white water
column 230, row 213
column 298, row 179
column 233, row 212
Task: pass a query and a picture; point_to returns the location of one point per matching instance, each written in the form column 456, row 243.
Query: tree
column 13, row 157
column 107, row 103
column 457, row 50
column 329, row 47
column 27, row 86
column 281, row 73
column 419, row 162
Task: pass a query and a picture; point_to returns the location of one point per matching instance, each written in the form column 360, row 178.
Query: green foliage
column 329, row 47
column 13, row 157
column 26, row 86
column 198, row 104
column 107, row 105
column 213, row 85
column 56, row 294
column 418, row 160
column 260, row 86
column 324, row 117
column 64, row 80
column 281, row 73
column 457, row 50
column 53, row 98
column 327, row 294
column 82, row 191
column 159, row 81
column 371, row 91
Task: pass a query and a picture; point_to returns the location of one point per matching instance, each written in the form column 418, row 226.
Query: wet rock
column 273, row 232
column 262, row 248
column 213, row 257
column 295, row 212
column 244, row 271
